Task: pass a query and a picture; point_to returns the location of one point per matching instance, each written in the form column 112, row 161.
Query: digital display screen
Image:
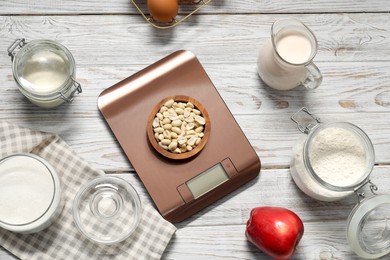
column 207, row 180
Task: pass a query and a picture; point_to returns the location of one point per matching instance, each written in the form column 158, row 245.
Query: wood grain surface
column 110, row 41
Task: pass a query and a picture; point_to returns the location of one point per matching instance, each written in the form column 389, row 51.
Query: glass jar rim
column 363, row 137
column 35, row 45
column 54, row 180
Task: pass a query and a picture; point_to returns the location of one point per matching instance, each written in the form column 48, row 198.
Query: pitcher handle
column 314, row 77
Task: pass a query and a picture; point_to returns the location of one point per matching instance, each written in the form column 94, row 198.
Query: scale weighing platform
column 179, row 188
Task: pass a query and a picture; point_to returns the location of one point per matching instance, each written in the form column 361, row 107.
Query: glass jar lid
column 340, row 156
column 107, row 210
column 368, row 229
column 43, row 68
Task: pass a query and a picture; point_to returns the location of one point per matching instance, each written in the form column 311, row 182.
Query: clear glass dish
column 107, row 210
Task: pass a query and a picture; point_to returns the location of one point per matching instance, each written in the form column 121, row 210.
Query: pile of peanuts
column 178, row 126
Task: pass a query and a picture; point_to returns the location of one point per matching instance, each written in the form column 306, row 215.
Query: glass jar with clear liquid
column 368, row 225
column 44, row 71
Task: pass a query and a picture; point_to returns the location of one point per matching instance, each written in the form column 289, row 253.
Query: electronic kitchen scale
column 179, row 188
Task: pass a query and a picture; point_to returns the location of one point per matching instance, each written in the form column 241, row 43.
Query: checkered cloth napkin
column 62, row 240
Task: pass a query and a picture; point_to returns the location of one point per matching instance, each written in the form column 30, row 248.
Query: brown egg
column 163, row 11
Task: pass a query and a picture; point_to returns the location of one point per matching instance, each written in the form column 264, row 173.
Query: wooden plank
column 216, row 6
column 272, row 136
column 348, row 87
column 125, row 40
column 276, row 188
column 321, row 240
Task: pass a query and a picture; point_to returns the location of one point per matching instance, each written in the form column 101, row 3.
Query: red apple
column 275, row 231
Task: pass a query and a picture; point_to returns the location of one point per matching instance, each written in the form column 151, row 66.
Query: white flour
column 338, row 157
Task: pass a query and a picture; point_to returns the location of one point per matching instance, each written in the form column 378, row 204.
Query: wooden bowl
column 184, row 155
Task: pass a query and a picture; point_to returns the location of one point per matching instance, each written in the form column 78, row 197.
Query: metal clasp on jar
column 76, row 88
column 305, row 128
column 360, row 194
column 15, row 46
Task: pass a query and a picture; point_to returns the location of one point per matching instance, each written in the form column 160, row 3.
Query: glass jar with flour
column 333, row 161
column 44, row 71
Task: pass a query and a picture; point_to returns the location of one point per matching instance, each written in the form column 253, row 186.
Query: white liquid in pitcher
column 45, row 72
column 294, row 48
column 26, row 190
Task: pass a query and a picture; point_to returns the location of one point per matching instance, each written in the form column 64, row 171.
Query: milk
column 26, row 190
column 282, row 68
column 294, row 48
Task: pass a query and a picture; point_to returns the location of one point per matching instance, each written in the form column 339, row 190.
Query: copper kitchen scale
column 179, row 188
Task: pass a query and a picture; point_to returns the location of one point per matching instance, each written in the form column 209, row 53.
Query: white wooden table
column 111, row 41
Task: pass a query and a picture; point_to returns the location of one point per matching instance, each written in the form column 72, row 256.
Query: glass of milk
column 30, row 193
column 44, row 71
column 286, row 59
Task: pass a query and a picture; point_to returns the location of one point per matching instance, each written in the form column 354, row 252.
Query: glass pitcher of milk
column 286, row 60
